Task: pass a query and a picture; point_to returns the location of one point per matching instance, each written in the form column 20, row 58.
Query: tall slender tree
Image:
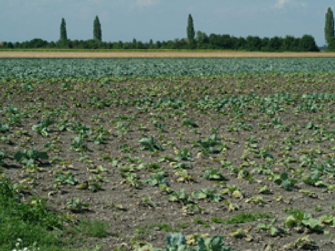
column 329, row 26
column 97, row 34
column 190, row 28
column 63, row 33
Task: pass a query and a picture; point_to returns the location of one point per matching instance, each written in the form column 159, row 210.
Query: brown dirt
column 142, row 221
column 171, row 54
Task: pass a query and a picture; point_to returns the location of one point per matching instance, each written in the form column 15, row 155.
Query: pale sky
column 22, row 20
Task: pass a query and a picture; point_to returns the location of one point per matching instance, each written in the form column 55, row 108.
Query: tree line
column 194, row 40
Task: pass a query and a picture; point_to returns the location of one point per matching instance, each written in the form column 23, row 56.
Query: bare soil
column 138, row 219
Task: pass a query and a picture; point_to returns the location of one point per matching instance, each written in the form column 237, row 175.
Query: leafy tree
column 253, row 43
column 307, row 43
column 275, row 43
column 201, row 38
column 190, row 28
column 329, row 26
column 97, row 34
column 63, row 33
column 288, row 43
column 331, row 45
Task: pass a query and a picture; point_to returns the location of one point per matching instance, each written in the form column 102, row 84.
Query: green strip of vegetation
column 246, row 217
column 29, row 225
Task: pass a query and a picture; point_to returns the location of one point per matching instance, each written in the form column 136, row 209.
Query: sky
column 123, row 20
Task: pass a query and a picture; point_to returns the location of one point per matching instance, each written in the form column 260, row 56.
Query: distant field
column 157, row 54
column 96, row 68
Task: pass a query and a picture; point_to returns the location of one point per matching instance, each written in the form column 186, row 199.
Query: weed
column 93, row 228
column 246, row 217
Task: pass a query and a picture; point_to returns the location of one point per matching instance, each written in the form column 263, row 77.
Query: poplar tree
column 63, row 33
column 190, row 28
column 329, row 26
column 97, row 34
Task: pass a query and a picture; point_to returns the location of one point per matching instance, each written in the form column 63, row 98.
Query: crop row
column 137, row 68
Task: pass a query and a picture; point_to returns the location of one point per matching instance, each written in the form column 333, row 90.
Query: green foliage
column 312, row 179
column 3, row 128
column 246, row 217
column 93, row 228
column 301, row 218
column 129, row 68
column 97, row 33
column 284, row 181
column 131, row 178
column 190, row 123
column 307, row 43
column 328, row 219
column 156, row 180
column 29, row 222
column 183, row 154
column 78, row 145
column 263, row 169
column 233, row 191
column 273, row 231
column 83, row 131
column 63, row 33
column 329, row 26
column 208, row 145
column 160, row 126
column 190, row 28
column 4, row 156
column 177, row 242
column 42, row 127
column 207, row 194
column 27, row 87
column 29, row 157
column 180, row 197
column 68, row 178
column 150, row 144
column 77, row 205
column 212, row 174
column 99, row 139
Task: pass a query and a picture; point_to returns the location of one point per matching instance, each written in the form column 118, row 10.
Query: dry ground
column 152, row 220
column 155, row 54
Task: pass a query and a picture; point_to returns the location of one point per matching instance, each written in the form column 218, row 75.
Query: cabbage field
column 173, row 154
column 148, row 68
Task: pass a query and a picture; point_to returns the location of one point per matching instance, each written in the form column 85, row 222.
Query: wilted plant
column 189, row 123
column 77, row 205
column 180, row 197
column 42, row 127
column 300, row 218
column 131, row 178
column 183, row 154
column 3, row 128
column 208, row 145
column 68, row 178
column 207, row 194
column 212, row 174
column 183, row 175
column 78, row 145
column 233, row 191
column 29, row 157
column 284, row 181
column 4, row 156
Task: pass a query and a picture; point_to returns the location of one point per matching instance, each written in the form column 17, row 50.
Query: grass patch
column 217, row 219
column 28, row 225
column 246, row 217
column 93, row 228
column 201, row 222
